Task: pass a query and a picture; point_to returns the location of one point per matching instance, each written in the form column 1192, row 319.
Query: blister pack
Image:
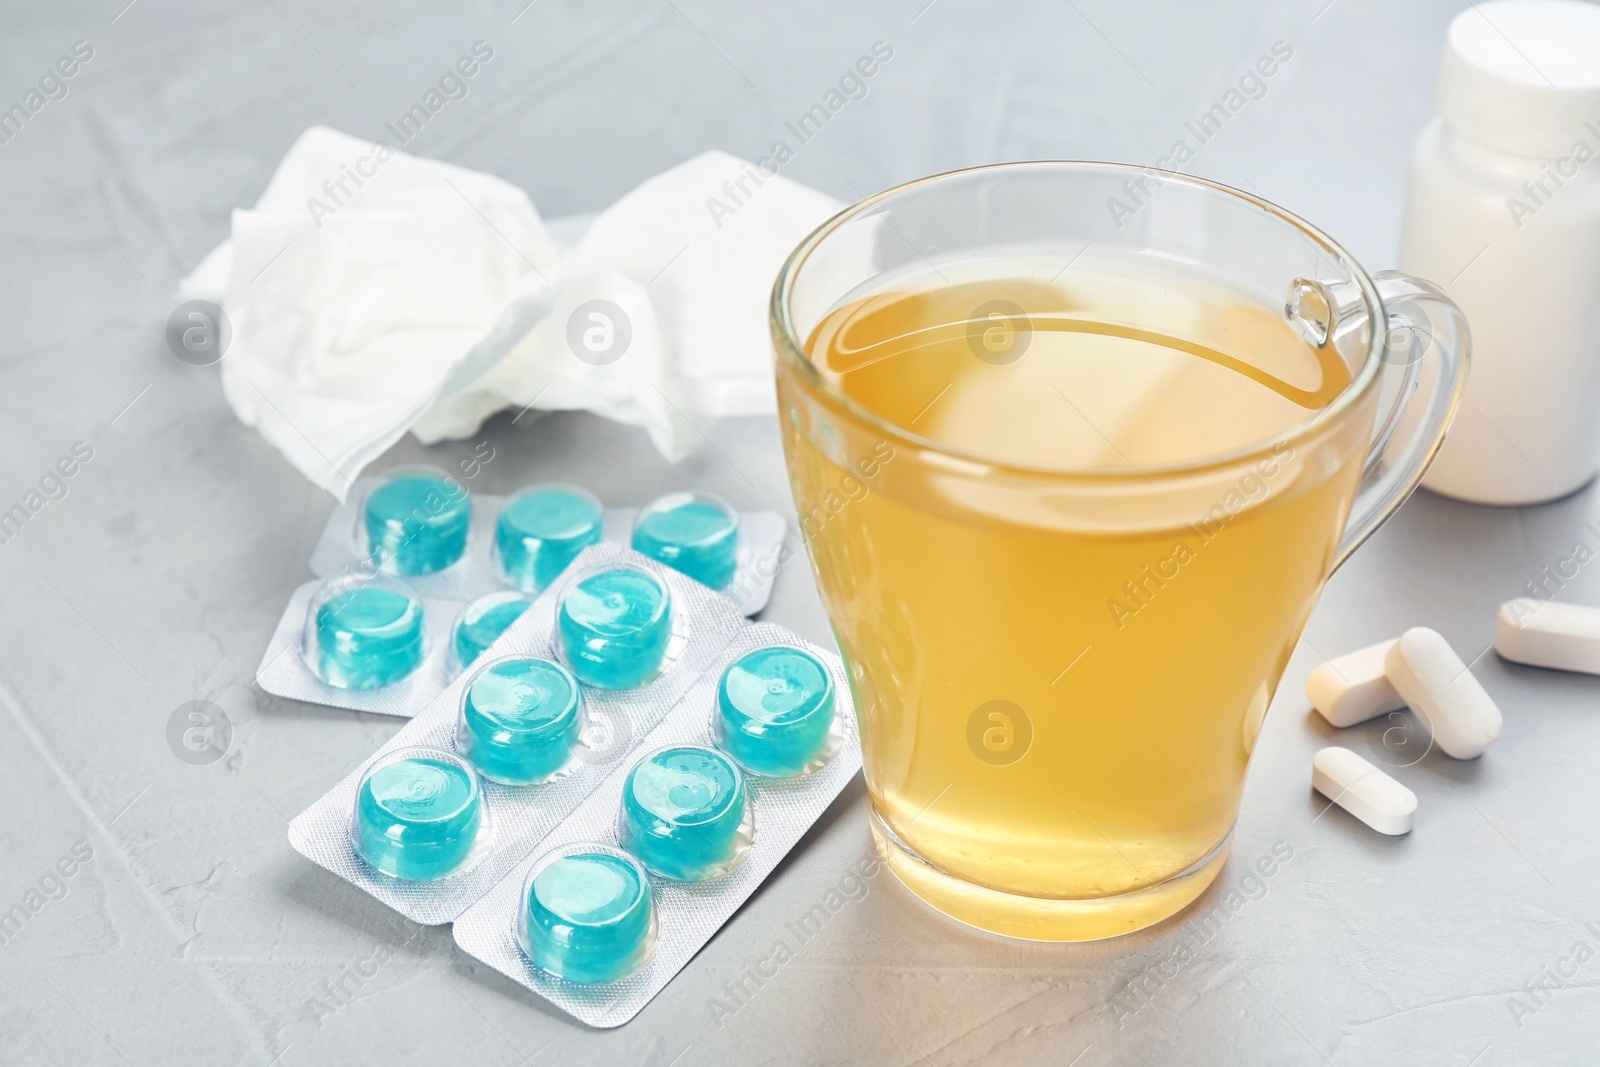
column 619, row 896
column 496, row 760
column 392, row 623
column 420, row 524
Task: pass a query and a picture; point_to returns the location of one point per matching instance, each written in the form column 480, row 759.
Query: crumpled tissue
column 371, row 292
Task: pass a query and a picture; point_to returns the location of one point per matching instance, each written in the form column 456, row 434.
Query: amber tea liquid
column 1059, row 693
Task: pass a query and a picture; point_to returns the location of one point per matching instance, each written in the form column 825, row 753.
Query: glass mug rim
column 791, row 347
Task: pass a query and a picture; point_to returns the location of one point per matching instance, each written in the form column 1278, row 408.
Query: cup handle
column 1427, row 349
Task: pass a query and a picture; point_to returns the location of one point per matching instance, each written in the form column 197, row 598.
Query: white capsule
column 1354, row 688
column 1363, row 790
column 1431, row 678
column 1542, row 633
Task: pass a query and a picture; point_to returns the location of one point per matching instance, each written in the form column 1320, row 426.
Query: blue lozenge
column 683, row 813
column 695, row 533
column 418, row 813
column 417, row 523
column 589, row 917
column 776, row 707
column 615, row 628
column 482, row 622
column 520, row 720
column 367, row 636
column 541, row 530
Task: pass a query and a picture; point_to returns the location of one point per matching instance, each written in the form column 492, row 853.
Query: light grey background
column 195, row 935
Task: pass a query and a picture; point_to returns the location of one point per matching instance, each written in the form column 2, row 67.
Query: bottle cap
column 1523, row 76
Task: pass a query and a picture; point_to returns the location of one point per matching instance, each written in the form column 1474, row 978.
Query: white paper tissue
column 372, row 292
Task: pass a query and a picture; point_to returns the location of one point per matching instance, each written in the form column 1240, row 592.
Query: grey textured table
column 192, row 933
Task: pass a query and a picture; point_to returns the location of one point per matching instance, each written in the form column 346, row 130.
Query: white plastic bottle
column 1503, row 211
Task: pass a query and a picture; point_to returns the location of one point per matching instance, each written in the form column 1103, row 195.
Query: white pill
column 1354, row 687
column 1431, row 678
column 1542, row 633
column 1364, row 791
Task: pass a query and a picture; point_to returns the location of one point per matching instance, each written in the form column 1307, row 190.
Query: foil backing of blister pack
column 284, row 672
column 519, row 816
column 338, row 551
column 687, row 913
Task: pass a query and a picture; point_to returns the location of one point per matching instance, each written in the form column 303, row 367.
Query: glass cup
column 1061, row 673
